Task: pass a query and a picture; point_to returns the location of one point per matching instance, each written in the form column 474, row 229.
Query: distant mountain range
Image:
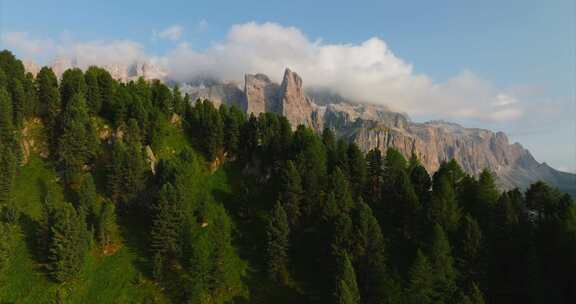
column 369, row 126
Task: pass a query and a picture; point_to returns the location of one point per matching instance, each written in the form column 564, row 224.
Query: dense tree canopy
column 213, row 206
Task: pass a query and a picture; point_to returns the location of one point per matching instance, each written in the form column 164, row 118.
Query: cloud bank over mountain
column 366, row 72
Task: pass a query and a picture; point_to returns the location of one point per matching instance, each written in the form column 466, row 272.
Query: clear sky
column 519, row 53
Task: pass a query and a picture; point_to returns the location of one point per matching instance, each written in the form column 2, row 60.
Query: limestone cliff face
column 228, row 93
column 437, row 141
column 261, row 94
column 295, row 105
column 372, row 126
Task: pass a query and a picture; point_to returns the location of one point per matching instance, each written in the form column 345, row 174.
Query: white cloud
column 173, row 33
column 368, row 71
column 26, row 45
column 83, row 54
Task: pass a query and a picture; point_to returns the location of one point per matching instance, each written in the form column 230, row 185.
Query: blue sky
column 518, row 49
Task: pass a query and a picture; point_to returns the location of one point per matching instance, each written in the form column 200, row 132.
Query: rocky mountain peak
column 294, row 103
column 261, row 94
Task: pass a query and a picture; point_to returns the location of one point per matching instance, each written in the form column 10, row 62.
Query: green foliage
column 107, row 230
column 421, row 285
column 346, row 288
column 442, row 264
column 179, row 235
column 444, row 210
column 6, row 246
column 67, row 243
column 291, row 193
column 207, row 128
column 127, row 170
column 277, row 232
column 72, row 84
column 78, row 143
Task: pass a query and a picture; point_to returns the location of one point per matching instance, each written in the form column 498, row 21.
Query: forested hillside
column 116, row 192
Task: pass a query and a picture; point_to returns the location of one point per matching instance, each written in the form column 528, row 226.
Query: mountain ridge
column 369, row 126
column 372, row 126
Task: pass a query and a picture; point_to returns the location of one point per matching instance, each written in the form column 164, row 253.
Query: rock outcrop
column 261, row 94
column 294, row 104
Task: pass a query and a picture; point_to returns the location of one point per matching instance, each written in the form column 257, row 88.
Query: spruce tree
column 421, row 285
column 107, row 232
column 442, row 264
column 444, row 209
column 93, row 95
column 375, row 171
column 357, row 169
column 277, row 245
column 72, row 84
column 5, row 245
column 78, row 143
column 470, row 250
column 346, row 291
column 291, row 193
column 49, row 100
column 68, row 243
column 166, row 231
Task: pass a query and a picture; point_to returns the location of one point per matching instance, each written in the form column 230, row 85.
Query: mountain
column 124, row 72
column 369, row 126
column 373, row 126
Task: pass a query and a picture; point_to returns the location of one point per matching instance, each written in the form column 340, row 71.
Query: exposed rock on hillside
column 372, row 126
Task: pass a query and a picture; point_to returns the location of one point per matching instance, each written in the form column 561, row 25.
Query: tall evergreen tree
column 375, row 171
column 107, row 232
column 421, row 285
column 444, row 209
column 78, row 143
column 72, row 84
column 442, row 264
column 291, row 193
column 277, row 233
column 346, row 291
column 68, row 243
column 357, row 169
column 49, row 100
column 166, row 231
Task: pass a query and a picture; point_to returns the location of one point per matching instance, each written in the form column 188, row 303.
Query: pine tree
column 370, row 255
column 357, row 169
column 277, row 233
column 291, row 193
column 18, row 102
column 68, row 243
column 341, row 190
column 444, row 209
column 93, row 95
column 108, row 233
column 421, row 182
column 421, row 285
column 6, row 119
column 166, row 230
column 470, row 250
column 346, row 291
column 49, row 100
column 5, row 245
column 72, row 84
column 375, row 171
column 78, row 143
column 443, row 266
column 8, row 169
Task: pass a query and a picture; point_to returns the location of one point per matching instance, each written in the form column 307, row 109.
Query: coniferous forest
column 131, row 192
